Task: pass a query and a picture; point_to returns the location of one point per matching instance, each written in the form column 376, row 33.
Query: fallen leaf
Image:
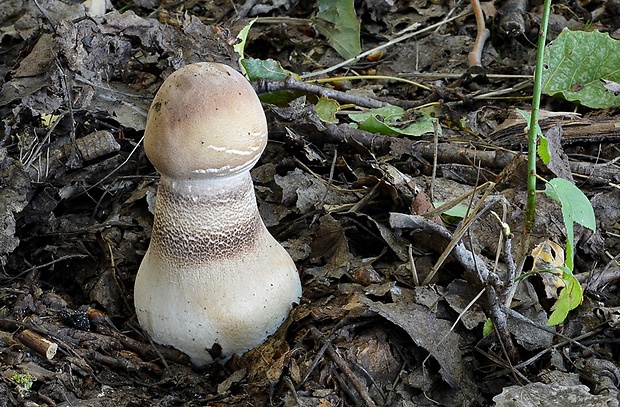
column 428, row 332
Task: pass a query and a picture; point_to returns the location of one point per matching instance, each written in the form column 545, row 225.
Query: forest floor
column 393, row 313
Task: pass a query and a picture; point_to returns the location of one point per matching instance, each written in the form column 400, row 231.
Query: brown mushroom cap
column 205, row 121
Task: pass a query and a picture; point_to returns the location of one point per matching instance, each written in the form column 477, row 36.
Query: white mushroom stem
column 216, row 220
column 213, row 278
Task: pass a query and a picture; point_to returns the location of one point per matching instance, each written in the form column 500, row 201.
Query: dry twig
column 475, row 56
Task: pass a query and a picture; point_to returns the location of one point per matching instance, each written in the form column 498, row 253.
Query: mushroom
column 213, row 277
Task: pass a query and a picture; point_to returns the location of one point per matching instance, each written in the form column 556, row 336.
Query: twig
column 361, row 389
column 500, row 323
column 456, row 75
column 475, row 56
column 608, row 275
column 414, row 270
column 314, row 364
column 517, row 375
column 345, row 388
column 541, row 353
column 264, row 86
column 34, row 154
column 331, row 178
column 115, row 169
column 63, row 258
column 460, row 316
column 289, row 383
column 515, row 315
column 456, row 238
column 49, row 20
column 74, row 161
column 38, row 343
column 368, row 77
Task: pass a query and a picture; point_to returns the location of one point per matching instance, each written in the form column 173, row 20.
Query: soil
column 402, row 305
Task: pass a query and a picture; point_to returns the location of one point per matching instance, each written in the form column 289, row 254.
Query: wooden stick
column 39, row 344
column 475, row 56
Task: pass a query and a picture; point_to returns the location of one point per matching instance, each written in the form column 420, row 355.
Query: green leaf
column 337, row 21
column 582, row 67
column 239, row 47
column 455, row 214
column 389, row 113
column 575, row 208
column 543, row 145
column 326, row 109
column 280, row 98
column 570, row 297
column 487, row 328
column 387, row 120
column 265, row 69
column 543, row 148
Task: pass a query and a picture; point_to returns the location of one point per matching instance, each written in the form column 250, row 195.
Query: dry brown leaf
column 549, row 255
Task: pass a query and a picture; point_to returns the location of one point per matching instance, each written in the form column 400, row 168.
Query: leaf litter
column 77, row 192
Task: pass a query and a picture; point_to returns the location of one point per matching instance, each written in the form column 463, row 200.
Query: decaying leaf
column 428, row 332
column 558, row 164
column 309, row 193
column 459, row 296
column 549, row 255
column 14, row 185
column 330, row 247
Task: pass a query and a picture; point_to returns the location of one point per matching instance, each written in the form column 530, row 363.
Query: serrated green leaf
column 575, row 208
column 326, row 109
column 337, row 21
column 487, row 328
column 265, row 69
column 570, row 297
column 577, row 63
column 543, row 149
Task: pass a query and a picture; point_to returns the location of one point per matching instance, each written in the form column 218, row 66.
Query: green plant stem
column 534, row 130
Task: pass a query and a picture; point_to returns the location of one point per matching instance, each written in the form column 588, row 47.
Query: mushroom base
column 213, row 277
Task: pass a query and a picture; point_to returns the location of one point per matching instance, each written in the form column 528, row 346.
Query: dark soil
column 385, row 318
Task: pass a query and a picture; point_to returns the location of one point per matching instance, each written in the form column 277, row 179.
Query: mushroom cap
column 205, row 121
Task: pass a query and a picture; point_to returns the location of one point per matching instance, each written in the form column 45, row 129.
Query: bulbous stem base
column 213, row 274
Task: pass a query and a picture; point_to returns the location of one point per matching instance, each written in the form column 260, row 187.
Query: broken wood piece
column 38, row 343
column 512, row 20
column 97, row 144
